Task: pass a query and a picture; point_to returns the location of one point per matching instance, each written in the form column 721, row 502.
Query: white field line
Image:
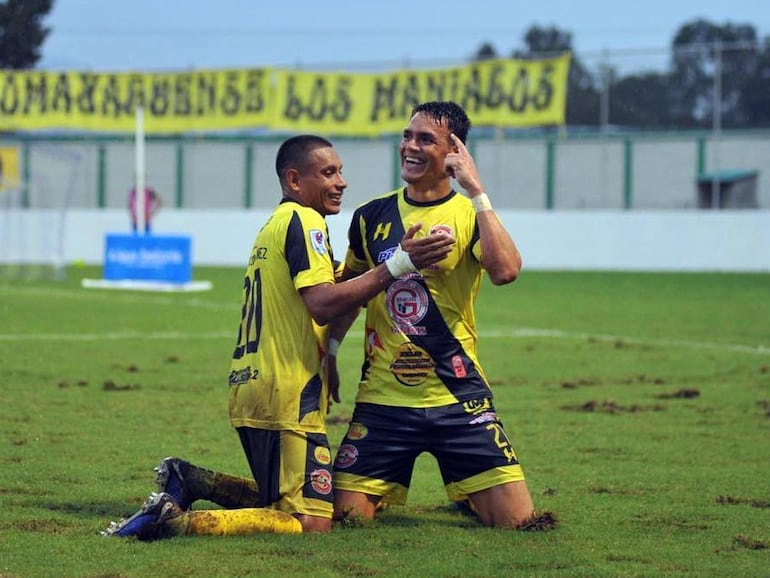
column 112, row 297
column 510, row 334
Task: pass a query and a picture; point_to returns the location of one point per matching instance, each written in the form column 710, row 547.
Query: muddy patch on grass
column 684, row 393
column 733, row 501
column 611, row 407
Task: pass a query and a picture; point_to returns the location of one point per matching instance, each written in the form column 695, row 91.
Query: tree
column 485, row 52
column 694, row 63
column 22, row 32
column 756, row 93
column 642, row 101
column 582, row 90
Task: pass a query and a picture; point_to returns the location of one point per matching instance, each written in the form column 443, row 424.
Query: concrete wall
column 548, row 240
column 654, row 171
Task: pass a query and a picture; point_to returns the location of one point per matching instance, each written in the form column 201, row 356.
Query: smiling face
column 424, row 146
column 319, row 183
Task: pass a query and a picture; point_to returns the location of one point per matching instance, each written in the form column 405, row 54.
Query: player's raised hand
column 460, row 165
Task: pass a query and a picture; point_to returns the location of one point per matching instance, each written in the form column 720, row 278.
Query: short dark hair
column 294, row 151
column 444, row 110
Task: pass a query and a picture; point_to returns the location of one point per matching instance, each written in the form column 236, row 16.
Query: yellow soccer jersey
column 275, row 374
column 420, row 336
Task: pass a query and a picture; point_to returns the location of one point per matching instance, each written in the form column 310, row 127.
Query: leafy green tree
column 582, row 87
column 485, row 52
column 22, row 32
column 641, row 101
column 694, row 63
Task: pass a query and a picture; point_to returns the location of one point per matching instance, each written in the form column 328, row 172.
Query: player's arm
column 499, row 255
column 338, row 328
column 327, row 301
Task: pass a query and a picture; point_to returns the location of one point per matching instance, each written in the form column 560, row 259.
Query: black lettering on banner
column 9, row 99
column 231, row 99
column 495, row 90
column 36, row 93
column 206, row 94
column 111, row 97
column 323, row 100
column 411, row 95
column 343, row 103
column 544, row 94
column 436, row 88
column 384, row 98
column 86, row 100
column 160, row 101
column 182, row 95
column 518, row 97
column 316, row 108
column 62, row 94
column 135, row 96
column 472, row 95
column 255, row 98
column 293, row 108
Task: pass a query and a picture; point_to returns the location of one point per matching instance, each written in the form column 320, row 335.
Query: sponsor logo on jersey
column 382, row 230
column 386, row 254
column 322, row 456
column 321, row 481
column 318, row 241
column 412, row 365
column 241, row 376
column 458, row 366
column 346, row 456
column 476, row 406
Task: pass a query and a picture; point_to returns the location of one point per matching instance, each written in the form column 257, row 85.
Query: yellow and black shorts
column 292, row 470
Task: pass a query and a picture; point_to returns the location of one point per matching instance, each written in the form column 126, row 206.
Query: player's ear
column 292, row 179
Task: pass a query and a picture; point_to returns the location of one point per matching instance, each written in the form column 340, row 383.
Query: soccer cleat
column 170, row 479
column 146, row 523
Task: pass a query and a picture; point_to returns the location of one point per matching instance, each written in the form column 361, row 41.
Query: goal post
column 33, row 213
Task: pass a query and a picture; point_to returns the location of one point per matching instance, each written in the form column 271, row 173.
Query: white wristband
column 399, row 263
column 332, row 347
column 481, row 203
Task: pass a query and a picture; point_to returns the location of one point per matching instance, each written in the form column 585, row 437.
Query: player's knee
column 315, row 524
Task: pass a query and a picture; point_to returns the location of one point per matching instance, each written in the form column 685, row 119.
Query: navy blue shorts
column 467, row 439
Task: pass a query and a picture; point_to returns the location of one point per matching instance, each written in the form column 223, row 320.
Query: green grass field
column 639, row 405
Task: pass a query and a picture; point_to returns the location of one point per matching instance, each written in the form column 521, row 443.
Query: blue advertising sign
column 148, row 258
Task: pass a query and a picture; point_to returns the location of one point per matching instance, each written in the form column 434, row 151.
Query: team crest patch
column 347, row 455
column 318, row 240
column 442, row 230
column 321, row 481
column 407, row 304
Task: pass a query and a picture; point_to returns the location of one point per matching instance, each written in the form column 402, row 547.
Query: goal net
column 33, row 211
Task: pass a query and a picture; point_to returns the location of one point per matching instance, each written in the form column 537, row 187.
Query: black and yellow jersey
column 276, row 370
column 420, row 334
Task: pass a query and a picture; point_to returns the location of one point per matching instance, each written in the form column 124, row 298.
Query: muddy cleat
column 170, row 479
column 146, row 524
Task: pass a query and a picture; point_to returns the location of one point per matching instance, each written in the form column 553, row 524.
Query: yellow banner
column 505, row 93
column 173, row 102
